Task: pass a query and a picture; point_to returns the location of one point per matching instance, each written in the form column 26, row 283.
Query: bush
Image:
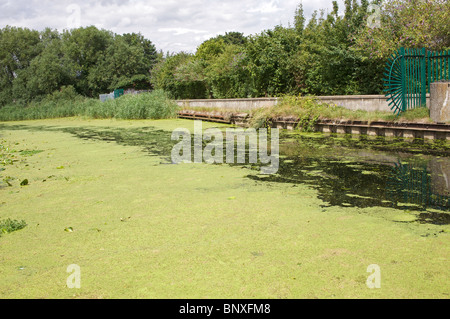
column 66, row 93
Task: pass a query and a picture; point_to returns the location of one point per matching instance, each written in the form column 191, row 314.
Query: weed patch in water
column 11, row 225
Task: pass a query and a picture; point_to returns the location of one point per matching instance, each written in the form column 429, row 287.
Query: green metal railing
column 118, row 93
column 409, row 73
column 412, row 184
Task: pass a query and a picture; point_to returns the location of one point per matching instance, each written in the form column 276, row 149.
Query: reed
column 154, row 105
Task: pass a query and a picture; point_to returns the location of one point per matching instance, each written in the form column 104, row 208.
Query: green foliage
column 307, row 123
column 308, row 111
column 268, row 61
column 48, row 72
column 168, row 75
column 330, row 54
column 66, row 103
column 210, row 49
column 8, row 225
column 299, row 19
column 233, row 38
column 155, row 105
column 126, row 63
column 18, row 47
column 310, row 58
column 65, row 93
column 409, row 24
column 228, row 75
column 417, row 113
column 35, row 64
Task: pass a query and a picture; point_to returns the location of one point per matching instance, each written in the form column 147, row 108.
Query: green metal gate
column 409, row 73
column 411, row 183
column 118, row 93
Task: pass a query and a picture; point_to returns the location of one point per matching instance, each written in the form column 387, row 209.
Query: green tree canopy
column 34, row 64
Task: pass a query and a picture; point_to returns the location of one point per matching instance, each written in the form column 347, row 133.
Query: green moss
column 142, row 229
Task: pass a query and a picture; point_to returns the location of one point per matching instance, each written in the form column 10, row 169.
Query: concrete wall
column 440, row 101
column 352, row 102
column 105, row 97
column 231, row 104
column 370, row 103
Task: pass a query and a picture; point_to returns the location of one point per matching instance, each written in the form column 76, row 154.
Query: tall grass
column 309, row 108
column 155, row 105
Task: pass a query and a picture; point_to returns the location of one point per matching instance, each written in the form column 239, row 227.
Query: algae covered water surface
column 353, row 171
column 104, row 195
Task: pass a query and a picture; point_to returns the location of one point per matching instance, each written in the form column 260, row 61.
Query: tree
column 228, row 75
column 124, row 64
column 47, row 72
column 147, row 47
column 268, row 55
column 84, row 47
column 234, row 38
column 409, row 24
column 18, row 47
column 299, row 19
column 326, row 62
column 166, row 76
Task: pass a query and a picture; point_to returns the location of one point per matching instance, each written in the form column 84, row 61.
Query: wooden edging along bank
column 429, row 131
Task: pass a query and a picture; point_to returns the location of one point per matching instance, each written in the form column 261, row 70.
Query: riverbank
column 421, row 128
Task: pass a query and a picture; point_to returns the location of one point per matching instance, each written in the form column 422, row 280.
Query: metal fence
column 409, row 73
column 111, row 96
column 412, row 184
column 118, row 93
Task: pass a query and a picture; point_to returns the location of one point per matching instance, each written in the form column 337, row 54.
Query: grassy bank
column 155, row 105
column 309, row 109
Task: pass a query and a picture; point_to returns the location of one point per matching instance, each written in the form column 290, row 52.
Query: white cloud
column 172, row 25
column 180, row 31
column 266, row 7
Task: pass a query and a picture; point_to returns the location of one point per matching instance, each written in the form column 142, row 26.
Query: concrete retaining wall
column 370, row 103
column 353, row 102
column 425, row 131
column 231, row 104
column 440, row 101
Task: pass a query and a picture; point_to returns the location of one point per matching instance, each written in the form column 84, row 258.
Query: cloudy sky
column 172, row 25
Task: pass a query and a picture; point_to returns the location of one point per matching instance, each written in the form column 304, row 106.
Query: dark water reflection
column 358, row 172
column 346, row 171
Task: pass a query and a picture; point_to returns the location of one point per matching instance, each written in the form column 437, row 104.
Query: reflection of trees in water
column 413, row 183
